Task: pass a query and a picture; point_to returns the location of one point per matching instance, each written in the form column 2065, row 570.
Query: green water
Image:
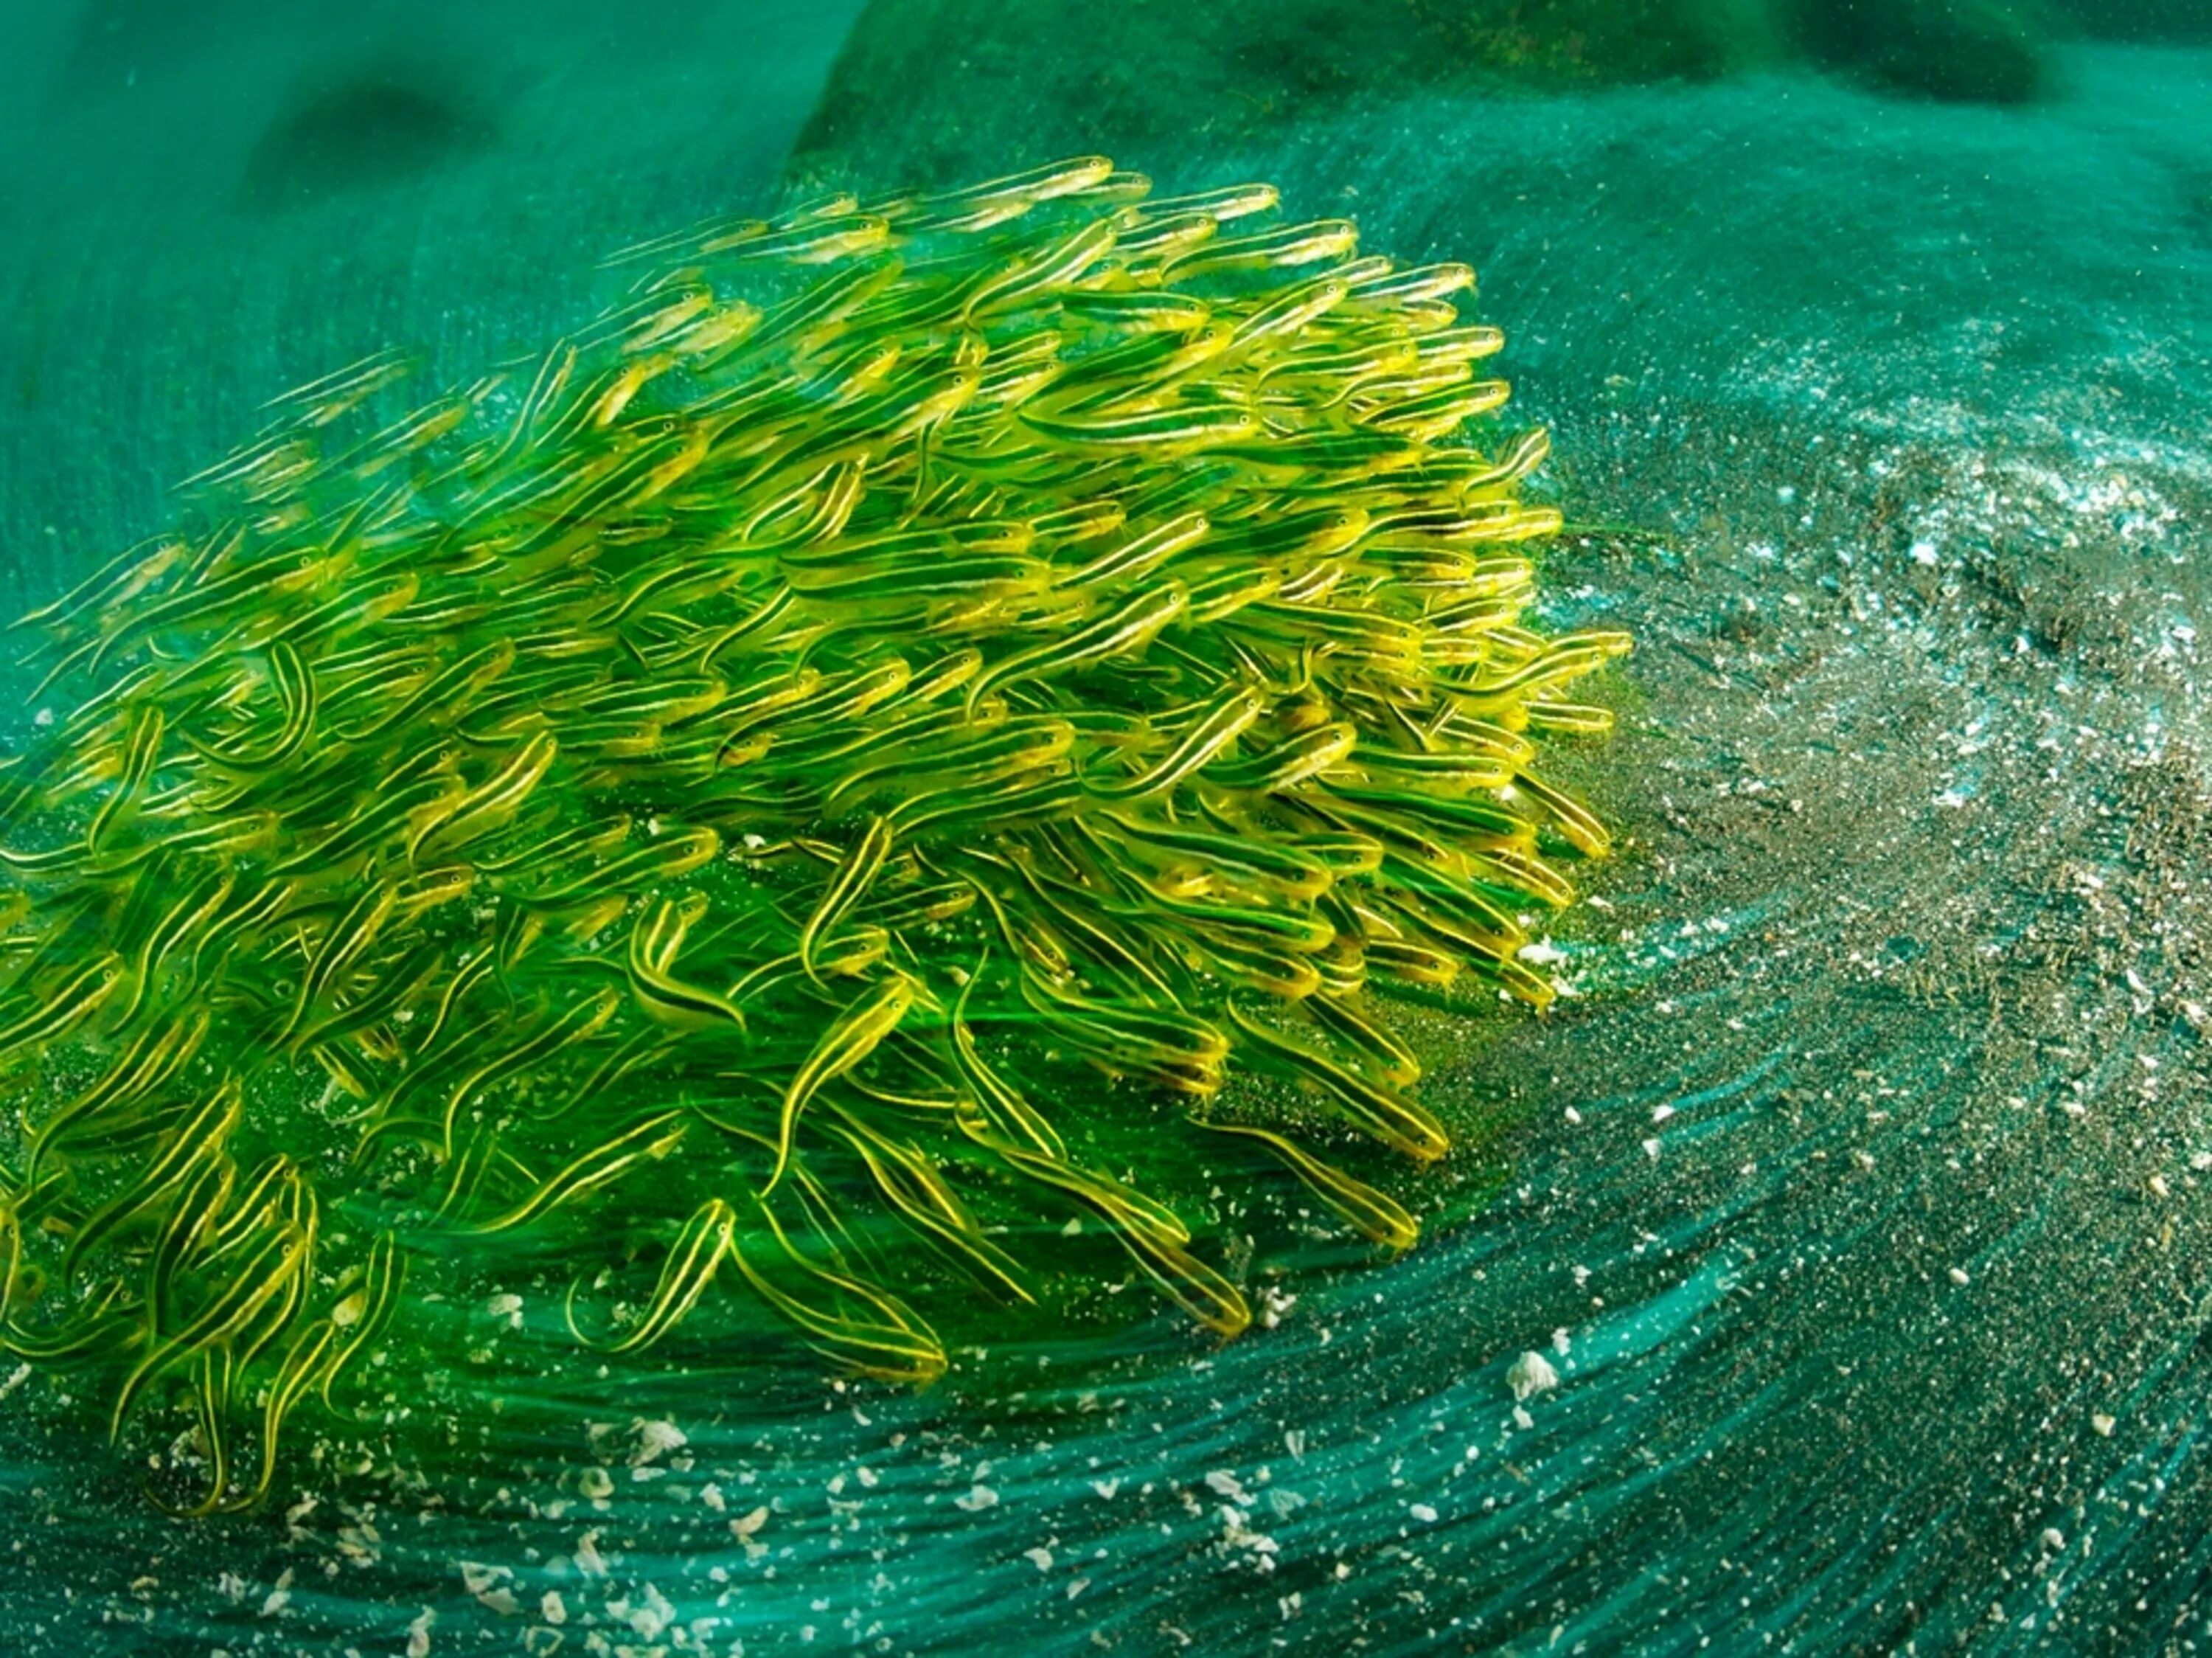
column 1855, row 1204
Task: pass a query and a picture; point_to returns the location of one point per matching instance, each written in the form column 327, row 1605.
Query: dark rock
column 1961, row 51
column 365, row 127
column 944, row 90
column 2166, row 22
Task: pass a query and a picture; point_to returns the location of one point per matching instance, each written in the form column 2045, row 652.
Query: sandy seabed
column 1859, row 1200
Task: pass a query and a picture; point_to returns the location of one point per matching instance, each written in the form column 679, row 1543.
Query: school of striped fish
column 730, row 774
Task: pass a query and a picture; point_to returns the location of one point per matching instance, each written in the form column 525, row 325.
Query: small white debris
column 2158, row 1187
column 978, row 1498
column 655, row 1439
column 1959, row 1276
column 1531, row 1373
column 1923, row 553
column 1863, row 1158
column 1652, row 1148
column 1423, row 1512
column 1661, row 1113
column 552, row 1608
column 596, row 1484
column 1039, row 1558
column 2104, row 1425
column 279, row 1597
column 2053, row 1538
column 1222, row 1483
column 1238, row 1535
column 1542, row 954
column 648, row 1619
column 589, row 1560
column 746, row 1525
column 418, row 1634
column 1106, row 1488
column 1574, row 1116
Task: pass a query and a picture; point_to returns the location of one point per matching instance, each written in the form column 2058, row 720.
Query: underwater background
column 1857, row 1202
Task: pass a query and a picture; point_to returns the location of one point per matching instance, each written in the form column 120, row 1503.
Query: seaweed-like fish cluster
column 692, row 785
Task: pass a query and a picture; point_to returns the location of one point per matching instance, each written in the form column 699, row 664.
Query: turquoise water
column 1856, row 1204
